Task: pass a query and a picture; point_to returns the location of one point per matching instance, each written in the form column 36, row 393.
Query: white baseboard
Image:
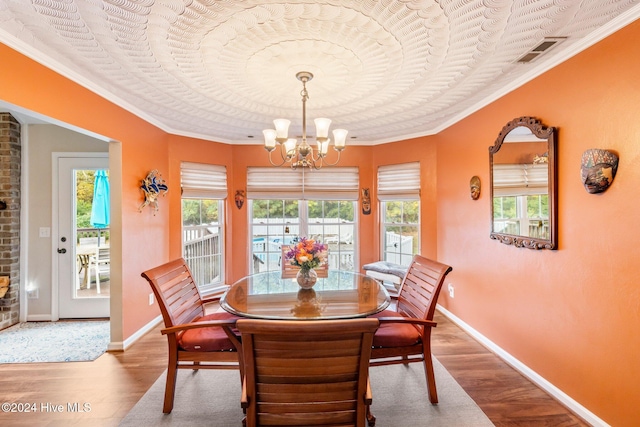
column 529, row 373
column 122, row 346
column 38, row 318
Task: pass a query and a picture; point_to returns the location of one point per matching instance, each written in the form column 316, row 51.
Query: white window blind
column 203, row 181
column 520, row 179
column 335, row 183
column 399, row 182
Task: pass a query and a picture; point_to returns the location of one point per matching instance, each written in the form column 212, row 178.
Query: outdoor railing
column 90, row 235
column 202, row 253
column 270, row 261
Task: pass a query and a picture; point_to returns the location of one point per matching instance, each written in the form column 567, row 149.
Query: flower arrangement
column 307, row 253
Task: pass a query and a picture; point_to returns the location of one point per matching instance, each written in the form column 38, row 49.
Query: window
column 399, row 196
column 524, row 215
column 520, row 205
column 285, row 204
column 204, row 188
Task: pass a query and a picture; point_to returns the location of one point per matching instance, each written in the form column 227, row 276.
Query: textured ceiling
column 384, row 70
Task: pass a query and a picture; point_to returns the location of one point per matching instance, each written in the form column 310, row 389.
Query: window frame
column 398, row 183
column 303, row 228
column 521, row 221
column 206, row 182
column 404, row 258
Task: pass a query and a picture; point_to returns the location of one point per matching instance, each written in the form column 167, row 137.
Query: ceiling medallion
column 302, row 154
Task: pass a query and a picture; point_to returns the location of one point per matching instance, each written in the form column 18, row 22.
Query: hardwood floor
column 503, row 394
column 113, row 383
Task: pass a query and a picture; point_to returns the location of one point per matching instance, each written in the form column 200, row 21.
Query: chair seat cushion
column 386, row 267
column 207, row 339
column 395, row 334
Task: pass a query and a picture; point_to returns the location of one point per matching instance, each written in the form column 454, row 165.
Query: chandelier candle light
column 302, row 154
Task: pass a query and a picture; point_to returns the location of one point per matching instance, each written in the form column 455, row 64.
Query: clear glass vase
column 306, row 278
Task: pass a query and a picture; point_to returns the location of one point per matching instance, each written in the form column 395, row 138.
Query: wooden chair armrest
column 411, row 320
column 211, row 298
column 227, row 323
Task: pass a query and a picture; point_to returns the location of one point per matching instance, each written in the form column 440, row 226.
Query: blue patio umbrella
column 100, row 206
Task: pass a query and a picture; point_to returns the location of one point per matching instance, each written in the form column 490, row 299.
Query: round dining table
column 341, row 295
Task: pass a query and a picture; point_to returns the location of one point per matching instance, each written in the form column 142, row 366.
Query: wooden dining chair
column 302, row 373
column 289, row 270
column 404, row 335
column 196, row 340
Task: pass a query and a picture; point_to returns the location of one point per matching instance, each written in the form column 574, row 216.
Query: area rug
column 62, row 341
column 212, row 397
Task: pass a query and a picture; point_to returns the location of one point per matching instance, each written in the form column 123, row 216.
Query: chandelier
column 302, row 154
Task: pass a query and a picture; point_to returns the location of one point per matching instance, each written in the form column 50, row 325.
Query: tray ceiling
column 384, row 70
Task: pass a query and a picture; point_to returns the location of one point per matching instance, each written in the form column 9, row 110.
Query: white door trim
column 55, row 234
column 24, row 222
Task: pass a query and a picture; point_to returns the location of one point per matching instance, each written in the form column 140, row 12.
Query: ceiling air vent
column 541, row 48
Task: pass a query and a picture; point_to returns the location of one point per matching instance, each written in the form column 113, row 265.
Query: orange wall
column 145, row 237
column 571, row 315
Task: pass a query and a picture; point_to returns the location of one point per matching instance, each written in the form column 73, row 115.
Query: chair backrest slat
column 186, row 303
column 420, row 287
column 103, row 255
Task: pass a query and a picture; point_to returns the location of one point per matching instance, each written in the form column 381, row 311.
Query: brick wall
column 10, row 217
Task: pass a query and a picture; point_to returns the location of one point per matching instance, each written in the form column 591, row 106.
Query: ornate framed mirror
column 522, row 168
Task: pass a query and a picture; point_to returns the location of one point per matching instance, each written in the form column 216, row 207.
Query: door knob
column 62, row 251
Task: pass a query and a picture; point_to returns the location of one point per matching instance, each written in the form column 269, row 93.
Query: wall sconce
column 153, row 185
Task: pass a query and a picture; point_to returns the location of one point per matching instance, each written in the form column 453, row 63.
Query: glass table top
column 343, row 294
